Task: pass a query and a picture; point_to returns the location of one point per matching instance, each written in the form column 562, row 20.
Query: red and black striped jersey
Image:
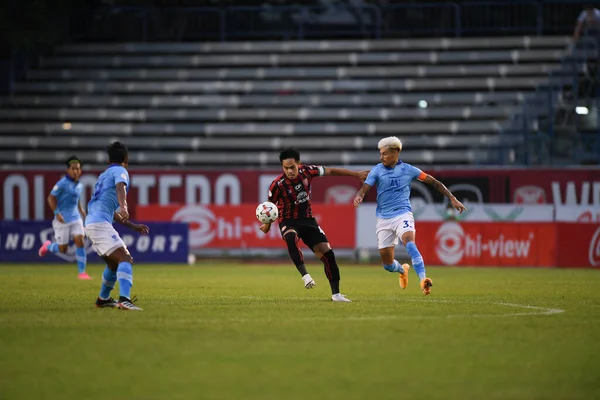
column 293, row 197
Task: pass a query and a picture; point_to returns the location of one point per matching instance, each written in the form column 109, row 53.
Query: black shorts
column 307, row 229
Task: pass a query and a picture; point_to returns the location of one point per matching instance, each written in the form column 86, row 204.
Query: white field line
column 533, row 310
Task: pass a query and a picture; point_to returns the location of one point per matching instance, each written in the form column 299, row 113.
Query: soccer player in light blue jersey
column 109, row 203
column 394, row 213
column 68, row 213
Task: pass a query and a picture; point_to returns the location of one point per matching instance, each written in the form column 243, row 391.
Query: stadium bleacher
column 209, row 103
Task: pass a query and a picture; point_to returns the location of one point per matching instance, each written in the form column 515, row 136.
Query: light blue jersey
column 104, row 202
column 393, row 188
column 67, row 193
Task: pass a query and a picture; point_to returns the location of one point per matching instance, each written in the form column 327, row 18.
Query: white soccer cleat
column 309, row 283
column 340, row 298
column 127, row 304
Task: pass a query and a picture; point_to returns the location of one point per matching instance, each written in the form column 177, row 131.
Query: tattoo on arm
column 339, row 172
column 363, row 190
column 439, row 186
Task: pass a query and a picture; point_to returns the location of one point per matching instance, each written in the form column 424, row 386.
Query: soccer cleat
column 105, row 303
column 127, row 304
column 84, row 276
column 309, row 283
column 338, row 297
column 44, row 249
column 426, row 285
column 403, row 278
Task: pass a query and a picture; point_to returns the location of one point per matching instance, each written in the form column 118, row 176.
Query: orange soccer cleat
column 403, row 278
column 426, row 285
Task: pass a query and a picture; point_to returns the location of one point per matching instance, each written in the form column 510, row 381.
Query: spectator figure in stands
column 588, row 22
column 394, row 213
column 291, row 192
column 68, row 216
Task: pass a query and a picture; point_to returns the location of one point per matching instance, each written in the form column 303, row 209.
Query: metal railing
column 329, row 20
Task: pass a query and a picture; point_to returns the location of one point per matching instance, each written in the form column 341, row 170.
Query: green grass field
column 227, row 331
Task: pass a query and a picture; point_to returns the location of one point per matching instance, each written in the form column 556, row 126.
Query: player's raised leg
column 48, row 247
column 291, row 239
column 408, row 239
column 387, row 239
column 392, row 265
column 61, row 243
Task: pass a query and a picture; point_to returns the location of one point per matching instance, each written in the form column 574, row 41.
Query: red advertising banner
column 572, row 187
column 24, row 192
column 488, row 244
column 237, row 226
column 578, row 245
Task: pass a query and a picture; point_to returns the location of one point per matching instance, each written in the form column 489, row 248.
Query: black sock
column 291, row 239
column 332, row 271
column 302, row 269
column 335, row 286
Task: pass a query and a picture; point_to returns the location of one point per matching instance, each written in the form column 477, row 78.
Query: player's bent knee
column 322, row 248
column 122, row 255
column 329, row 253
column 289, row 232
column 63, row 248
column 125, row 260
column 409, row 237
column 290, row 237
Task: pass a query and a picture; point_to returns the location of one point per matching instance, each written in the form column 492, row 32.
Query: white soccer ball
column 267, row 212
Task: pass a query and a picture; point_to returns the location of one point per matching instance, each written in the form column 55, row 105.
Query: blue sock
column 417, row 259
column 109, row 278
column 125, row 278
column 399, row 266
column 81, row 258
column 53, row 248
column 394, row 267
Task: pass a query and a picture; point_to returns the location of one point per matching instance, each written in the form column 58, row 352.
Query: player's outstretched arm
column 439, row 186
column 361, row 194
column 140, row 228
column 362, row 175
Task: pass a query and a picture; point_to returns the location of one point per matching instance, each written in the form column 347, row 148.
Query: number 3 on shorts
column 406, row 224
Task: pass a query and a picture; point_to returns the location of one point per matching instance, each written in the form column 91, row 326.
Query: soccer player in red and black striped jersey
column 291, row 192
